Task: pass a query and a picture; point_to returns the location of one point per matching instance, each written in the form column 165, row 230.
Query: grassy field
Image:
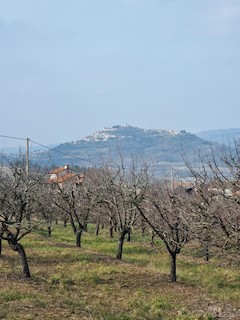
column 89, row 283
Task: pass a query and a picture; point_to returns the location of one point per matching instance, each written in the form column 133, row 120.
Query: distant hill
column 163, row 148
column 221, row 136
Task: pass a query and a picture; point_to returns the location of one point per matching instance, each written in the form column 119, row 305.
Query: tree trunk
column 19, row 248
column 129, row 235
column 74, row 228
column 173, row 274
column 206, row 252
column 49, row 229
column 97, row 228
column 111, row 232
column 111, row 226
column 120, row 244
column 152, row 238
column 65, row 223
column 21, row 251
column 143, row 227
column 143, row 230
column 79, row 237
column 0, row 246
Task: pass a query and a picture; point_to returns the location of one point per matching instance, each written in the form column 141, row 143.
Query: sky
column 70, row 68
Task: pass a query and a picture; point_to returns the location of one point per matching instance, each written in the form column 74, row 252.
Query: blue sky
column 69, row 68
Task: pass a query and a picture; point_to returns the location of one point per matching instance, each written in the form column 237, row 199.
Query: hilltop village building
column 64, row 175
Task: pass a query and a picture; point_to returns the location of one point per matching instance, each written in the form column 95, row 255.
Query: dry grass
column 89, row 283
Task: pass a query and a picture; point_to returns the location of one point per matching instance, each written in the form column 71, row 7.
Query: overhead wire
column 10, row 137
column 63, row 153
column 54, row 150
column 66, row 154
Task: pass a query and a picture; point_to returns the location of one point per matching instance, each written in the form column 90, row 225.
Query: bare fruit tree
column 18, row 207
column 119, row 187
column 166, row 213
column 76, row 199
column 217, row 198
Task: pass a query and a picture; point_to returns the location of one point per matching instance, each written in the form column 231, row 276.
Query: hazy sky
column 69, row 68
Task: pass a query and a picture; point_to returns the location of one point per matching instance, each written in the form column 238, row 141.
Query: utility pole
column 27, row 157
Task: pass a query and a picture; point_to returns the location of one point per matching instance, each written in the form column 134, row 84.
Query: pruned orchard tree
column 205, row 207
column 105, row 212
column 91, row 198
column 17, row 209
column 66, row 199
column 229, row 185
column 45, row 206
column 118, row 189
column 76, row 199
column 166, row 213
column 217, row 198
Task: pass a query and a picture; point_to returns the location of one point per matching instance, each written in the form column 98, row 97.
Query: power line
column 73, row 157
column 66, row 154
column 15, row 138
column 51, row 149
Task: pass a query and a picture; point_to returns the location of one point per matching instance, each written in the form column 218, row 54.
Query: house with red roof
column 62, row 175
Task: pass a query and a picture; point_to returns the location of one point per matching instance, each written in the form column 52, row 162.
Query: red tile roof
column 55, row 171
column 68, row 176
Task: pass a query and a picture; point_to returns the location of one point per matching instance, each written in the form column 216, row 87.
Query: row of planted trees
column 130, row 199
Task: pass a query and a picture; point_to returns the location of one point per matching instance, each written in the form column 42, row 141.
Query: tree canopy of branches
column 76, row 200
column 217, row 197
column 117, row 190
column 18, row 205
column 165, row 211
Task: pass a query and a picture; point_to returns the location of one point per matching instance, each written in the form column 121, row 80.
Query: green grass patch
column 89, row 283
